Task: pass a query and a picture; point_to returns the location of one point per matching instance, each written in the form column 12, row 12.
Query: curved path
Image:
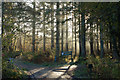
column 37, row 71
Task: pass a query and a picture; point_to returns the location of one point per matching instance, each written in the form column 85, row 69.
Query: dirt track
column 38, row 71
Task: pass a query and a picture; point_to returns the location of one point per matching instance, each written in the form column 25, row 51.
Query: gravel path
column 37, row 71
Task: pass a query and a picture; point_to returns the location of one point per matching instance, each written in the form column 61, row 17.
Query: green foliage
column 11, row 54
column 11, row 71
column 28, row 56
column 81, row 73
column 104, row 68
column 39, row 57
column 81, row 60
column 6, row 42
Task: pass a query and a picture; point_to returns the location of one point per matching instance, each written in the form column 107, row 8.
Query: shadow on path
column 37, row 71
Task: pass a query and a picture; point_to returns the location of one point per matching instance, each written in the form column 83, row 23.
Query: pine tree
column 52, row 26
column 33, row 29
column 57, row 33
column 83, row 48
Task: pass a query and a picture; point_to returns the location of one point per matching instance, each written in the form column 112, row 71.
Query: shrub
column 11, row 71
column 11, row 54
column 39, row 57
column 105, row 68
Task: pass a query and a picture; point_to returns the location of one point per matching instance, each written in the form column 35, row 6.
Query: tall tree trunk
column 2, row 18
column 52, row 28
column 110, row 31
column 107, row 45
column 72, row 31
column 20, row 42
column 75, row 37
column 44, row 39
column 33, row 30
column 24, row 38
column 79, row 31
column 66, row 33
column 101, row 40
column 119, row 42
column 83, row 48
column 62, row 31
column 119, row 27
column 57, row 33
column 97, row 40
column 115, row 52
column 110, row 44
column 114, row 47
column 91, row 39
column 14, row 43
column 11, row 46
column 107, row 40
column 37, row 42
column 20, row 45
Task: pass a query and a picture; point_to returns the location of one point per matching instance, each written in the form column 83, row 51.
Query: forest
column 60, row 40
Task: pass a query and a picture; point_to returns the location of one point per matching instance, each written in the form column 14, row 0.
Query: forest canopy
column 41, row 31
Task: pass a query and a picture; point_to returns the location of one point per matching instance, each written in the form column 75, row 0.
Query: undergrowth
column 102, row 67
column 39, row 57
column 12, row 72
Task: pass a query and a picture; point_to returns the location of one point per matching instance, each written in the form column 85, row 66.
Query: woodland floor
column 65, row 71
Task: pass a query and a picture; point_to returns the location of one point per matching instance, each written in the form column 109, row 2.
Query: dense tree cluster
column 60, row 26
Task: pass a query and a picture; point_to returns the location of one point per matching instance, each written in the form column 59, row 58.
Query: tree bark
column 97, row 40
column 20, row 42
column 2, row 18
column 91, row 39
column 79, row 31
column 115, row 51
column 44, row 39
column 101, row 40
column 62, row 31
column 57, row 33
column 37, row 42
column 110, row 31
column 75, row 37
column 52, row 28
column 83, row 48
column 24, row 38
column 66, row 33
column 119, row 26
column 33, row 30
column 110, row 44
column 72, row 31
